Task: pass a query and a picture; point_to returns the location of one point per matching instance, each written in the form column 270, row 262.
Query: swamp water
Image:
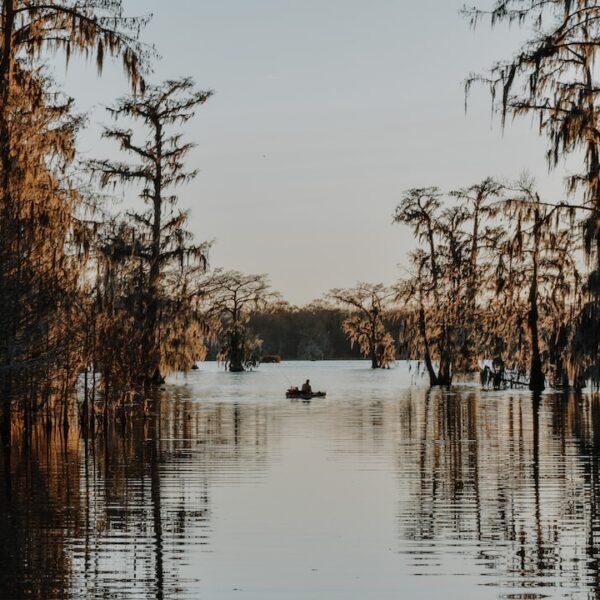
column 382, row 490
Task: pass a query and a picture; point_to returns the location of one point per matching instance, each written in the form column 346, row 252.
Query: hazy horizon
column 322, row 116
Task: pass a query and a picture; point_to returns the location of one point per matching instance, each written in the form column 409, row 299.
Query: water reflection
column 227, row 491
column 115, row 517
column 508, row 486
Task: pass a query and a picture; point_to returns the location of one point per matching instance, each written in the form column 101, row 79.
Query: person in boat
column 306, row 388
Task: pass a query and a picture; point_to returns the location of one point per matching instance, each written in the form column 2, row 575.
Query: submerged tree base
column 157, row 379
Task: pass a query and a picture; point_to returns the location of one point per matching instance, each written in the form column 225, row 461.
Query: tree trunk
column 374, row 358
column 153, row 374
column 84, row 417
column 374, row 361
column 445, row 371
column 433, row 379
column 7, row 424
column 236, row 358
column 536, row 377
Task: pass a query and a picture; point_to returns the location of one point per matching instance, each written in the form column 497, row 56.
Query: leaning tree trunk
column 374, row 357
column 433, row 379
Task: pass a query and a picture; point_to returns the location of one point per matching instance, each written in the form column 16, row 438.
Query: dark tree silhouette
column 42, row 243
column 231, row 297
column 554, row 78
column 420, row 209
column 369, row 306
column 163, row 240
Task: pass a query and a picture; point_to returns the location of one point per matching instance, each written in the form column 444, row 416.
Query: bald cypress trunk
column 445, row 371
column 236, row 359
column 236, row 341
column 536, row 378
column 537, row 381
column 374, row 358
column 433, row 380
column 153, row 375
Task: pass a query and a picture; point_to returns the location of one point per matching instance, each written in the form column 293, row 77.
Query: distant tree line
column 312, row 332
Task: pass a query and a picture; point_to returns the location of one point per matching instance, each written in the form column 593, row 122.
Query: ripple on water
column 382, row 490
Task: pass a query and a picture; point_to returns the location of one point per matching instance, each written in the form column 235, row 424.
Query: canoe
column 299, row 395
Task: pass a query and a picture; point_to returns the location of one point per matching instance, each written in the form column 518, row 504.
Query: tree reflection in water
column 509, row 485
column 498, row 490
column 115, row 516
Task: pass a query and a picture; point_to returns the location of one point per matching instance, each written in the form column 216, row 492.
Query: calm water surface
column 383, row 490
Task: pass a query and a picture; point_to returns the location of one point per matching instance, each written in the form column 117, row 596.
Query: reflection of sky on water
column 382, row 490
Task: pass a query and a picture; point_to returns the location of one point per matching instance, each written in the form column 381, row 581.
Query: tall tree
column 537, row 286
column 39, row 231
column 526, row 247
column 230, row 298
column 420, row 209
column 163, row 241
column 447, row 276
column 480, row 202
column 369, row 305
column 554, row 78
column 39, row 266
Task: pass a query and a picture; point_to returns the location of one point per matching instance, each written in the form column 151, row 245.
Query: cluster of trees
column 502, row 271
column 118, row 300
column 495, row 275
column 127, row 298
column 232, row 299
column 46, row 237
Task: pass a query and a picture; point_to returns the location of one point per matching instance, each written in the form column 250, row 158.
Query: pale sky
column 324, row 112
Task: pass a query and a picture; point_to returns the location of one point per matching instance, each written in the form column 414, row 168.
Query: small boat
column 298, row 394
